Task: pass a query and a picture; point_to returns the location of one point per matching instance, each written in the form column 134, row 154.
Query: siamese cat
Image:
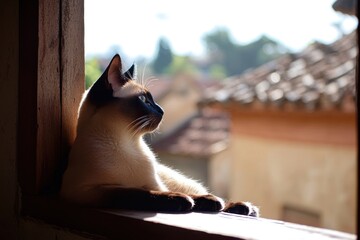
column 111, row 166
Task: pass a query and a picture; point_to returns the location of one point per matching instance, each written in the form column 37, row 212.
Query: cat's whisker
column 129, row 126
column 145, row 82
column 135, row 132
column 134, row 124
column 135, row 135
column 152, row 135
column 150, row 80
column 142, row 82
column 137, row 125
column 157, row 130
column 152, row 121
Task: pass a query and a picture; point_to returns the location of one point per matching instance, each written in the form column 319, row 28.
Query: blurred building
column 178, row 95
column 293, row 135
column 198, row 149
column 192, row 141
column 282, row 135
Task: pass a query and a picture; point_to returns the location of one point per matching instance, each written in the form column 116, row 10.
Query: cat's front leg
column 242, row 208
column 113, row 196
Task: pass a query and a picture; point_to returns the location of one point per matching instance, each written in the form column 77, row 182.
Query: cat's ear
column 130, row 74
column 114, row 75
column 110, row 81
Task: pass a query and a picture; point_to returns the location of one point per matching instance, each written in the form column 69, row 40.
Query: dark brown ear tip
column 116, row 57
column 115, row 65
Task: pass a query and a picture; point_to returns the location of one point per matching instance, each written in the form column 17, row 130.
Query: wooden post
column 50, row 88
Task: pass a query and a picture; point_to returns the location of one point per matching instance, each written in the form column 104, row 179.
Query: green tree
column 181, row 64
column 217, row 71
column 163, row 58
column 236, row 58
column 222, row 50
column 92, row 71
column 258, row 52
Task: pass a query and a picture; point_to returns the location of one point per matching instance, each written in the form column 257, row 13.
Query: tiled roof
column 321, row 76
column 202, row 135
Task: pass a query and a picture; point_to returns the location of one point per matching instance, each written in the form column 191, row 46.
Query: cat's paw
column 173, row 202
column 207, row 203
column 242, row 208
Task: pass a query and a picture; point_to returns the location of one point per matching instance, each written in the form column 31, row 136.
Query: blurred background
column 259, row 96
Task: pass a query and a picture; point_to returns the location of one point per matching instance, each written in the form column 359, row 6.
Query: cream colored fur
column 129, row 89
column 105, row 152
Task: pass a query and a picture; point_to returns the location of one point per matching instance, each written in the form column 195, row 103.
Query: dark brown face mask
column 140, row 106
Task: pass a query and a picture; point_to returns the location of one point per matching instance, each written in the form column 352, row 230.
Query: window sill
column 139, row 225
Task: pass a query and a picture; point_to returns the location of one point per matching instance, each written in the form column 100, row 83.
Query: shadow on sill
column 115, row 224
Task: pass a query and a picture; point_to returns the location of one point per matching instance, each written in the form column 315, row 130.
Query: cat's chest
column 130, row 155
column 134, row 167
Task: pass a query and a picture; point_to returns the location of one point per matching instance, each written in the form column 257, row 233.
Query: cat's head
column 120, row 99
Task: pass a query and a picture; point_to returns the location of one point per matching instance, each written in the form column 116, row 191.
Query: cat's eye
column 143, row 98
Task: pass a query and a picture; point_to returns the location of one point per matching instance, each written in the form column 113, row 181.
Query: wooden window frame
column 51, row 82
column 50, row 87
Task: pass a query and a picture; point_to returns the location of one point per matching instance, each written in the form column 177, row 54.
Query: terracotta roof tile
column 200, row 136
column 318, row 77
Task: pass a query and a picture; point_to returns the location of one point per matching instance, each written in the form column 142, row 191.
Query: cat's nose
column 159, row 110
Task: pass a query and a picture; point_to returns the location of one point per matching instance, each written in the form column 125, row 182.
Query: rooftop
column 320, row 77
column 202, row 135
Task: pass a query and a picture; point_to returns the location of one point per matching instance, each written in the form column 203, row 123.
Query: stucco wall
column 214, row 172
column 180, row 103
column 195, row 168
column 220, row 173
column 316, row 177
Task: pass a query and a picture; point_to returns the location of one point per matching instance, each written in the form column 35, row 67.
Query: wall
column 180, row 103
column 195, row 168
column 319, row 178
column 220, row 166
column 213, row 171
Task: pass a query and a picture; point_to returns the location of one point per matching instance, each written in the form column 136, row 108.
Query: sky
column 134, row 27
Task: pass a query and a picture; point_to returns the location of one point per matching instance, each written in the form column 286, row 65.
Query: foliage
column 236, row 58
column 181, row 64
column 163, row 58
column 92, row 71
column 217, row 71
